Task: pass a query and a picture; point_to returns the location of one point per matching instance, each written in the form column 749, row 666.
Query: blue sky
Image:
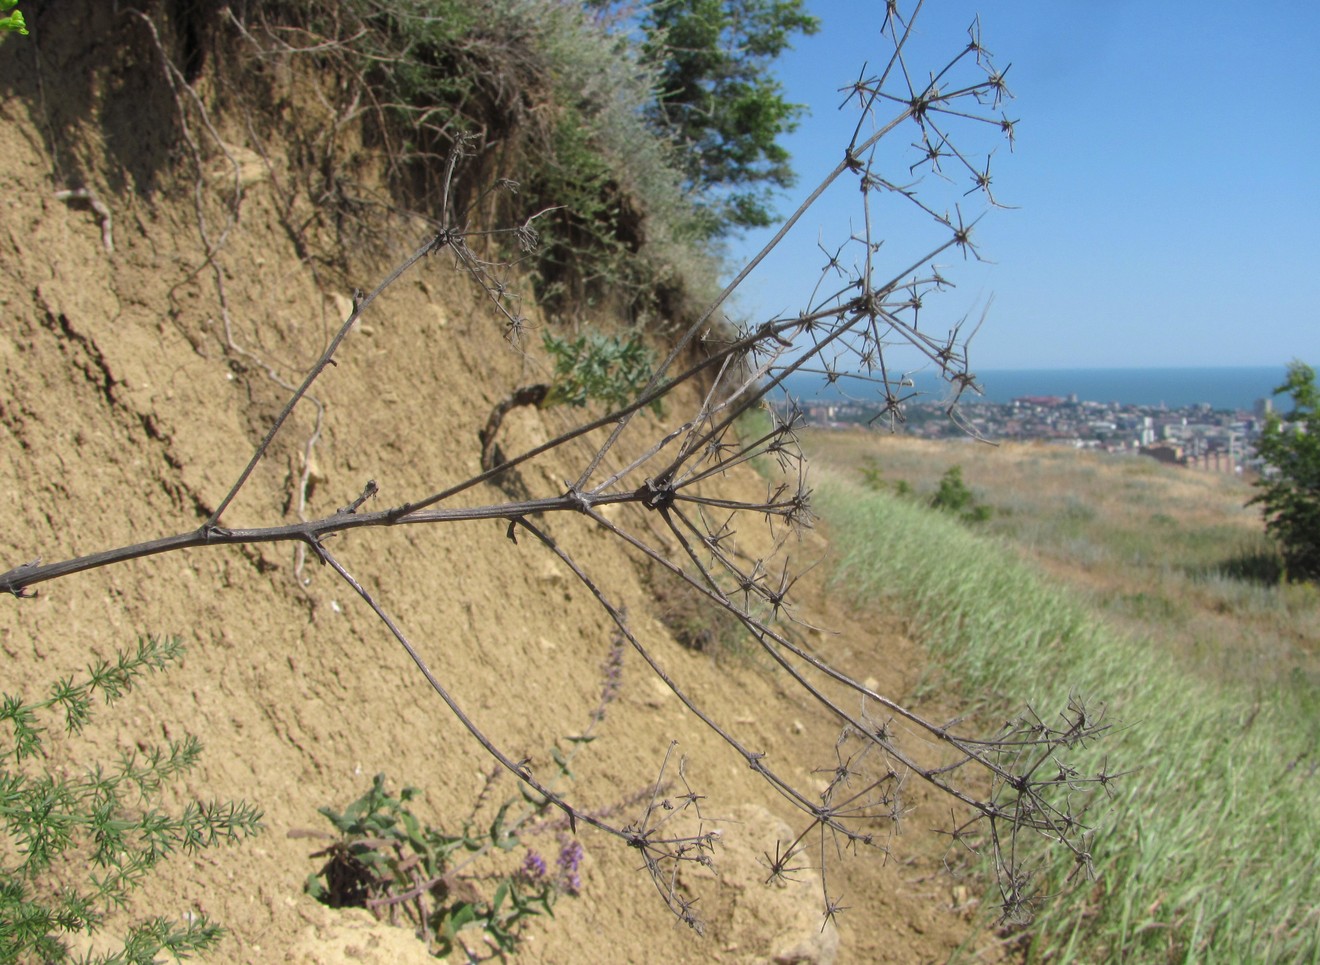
column 1166, row 173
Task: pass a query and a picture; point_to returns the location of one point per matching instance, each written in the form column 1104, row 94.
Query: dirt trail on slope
column 135, row 379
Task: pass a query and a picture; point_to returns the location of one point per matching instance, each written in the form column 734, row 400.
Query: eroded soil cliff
column 166, row 279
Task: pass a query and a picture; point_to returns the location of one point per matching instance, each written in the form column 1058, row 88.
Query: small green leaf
column 461, row 914
column 314, row 887
column 14, row 23
column 497, row 832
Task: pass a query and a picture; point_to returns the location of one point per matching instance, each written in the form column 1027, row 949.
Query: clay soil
column 138, row 370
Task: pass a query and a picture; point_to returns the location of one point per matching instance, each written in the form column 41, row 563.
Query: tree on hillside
column 1290, row 485
column 718, row 99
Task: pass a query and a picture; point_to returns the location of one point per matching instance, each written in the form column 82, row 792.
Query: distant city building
column 1045, row 401
column 1194, row 436
column 1164, row 452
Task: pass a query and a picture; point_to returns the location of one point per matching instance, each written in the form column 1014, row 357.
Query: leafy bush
column 386, row 859
column 65, row 828
column 954, row 497
column 873, row 479
column 1290, row 486
column 872, row 474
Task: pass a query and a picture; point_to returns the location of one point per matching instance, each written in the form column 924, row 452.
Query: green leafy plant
column 872, row 475
column 873, row 479
column 954, row 497
column 1289, row 494
column 12, row 21
column 611, row 369
column 387, row 859
column 82, row 829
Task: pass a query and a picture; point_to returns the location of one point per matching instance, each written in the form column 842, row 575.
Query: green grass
column 1207, row 852
column 1161, row 551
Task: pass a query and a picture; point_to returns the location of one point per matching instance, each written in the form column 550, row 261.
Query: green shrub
column 873, row 479
column 385, row 858
column 1289, row 494
column 81, row 844
column 609, row 369
column 954, row 497
column 872, row 475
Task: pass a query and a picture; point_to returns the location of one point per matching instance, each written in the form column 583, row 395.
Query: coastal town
column 1197, row 436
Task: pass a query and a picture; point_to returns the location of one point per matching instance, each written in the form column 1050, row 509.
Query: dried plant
column 659, row 485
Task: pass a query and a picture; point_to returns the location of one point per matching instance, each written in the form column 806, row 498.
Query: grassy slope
column 1207, row 848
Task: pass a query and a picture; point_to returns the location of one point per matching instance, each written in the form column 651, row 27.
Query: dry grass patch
column 1162, row 551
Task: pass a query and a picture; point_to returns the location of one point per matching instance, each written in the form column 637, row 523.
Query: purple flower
column 570, row 856
column 612, row 670
column 533, row 867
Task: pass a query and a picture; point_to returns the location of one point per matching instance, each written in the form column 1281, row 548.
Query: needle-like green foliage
column 82, row 842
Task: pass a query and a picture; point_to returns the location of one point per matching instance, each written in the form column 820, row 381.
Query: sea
column 1234, row 389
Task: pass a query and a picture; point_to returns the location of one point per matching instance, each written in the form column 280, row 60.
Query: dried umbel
column 652, row 489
